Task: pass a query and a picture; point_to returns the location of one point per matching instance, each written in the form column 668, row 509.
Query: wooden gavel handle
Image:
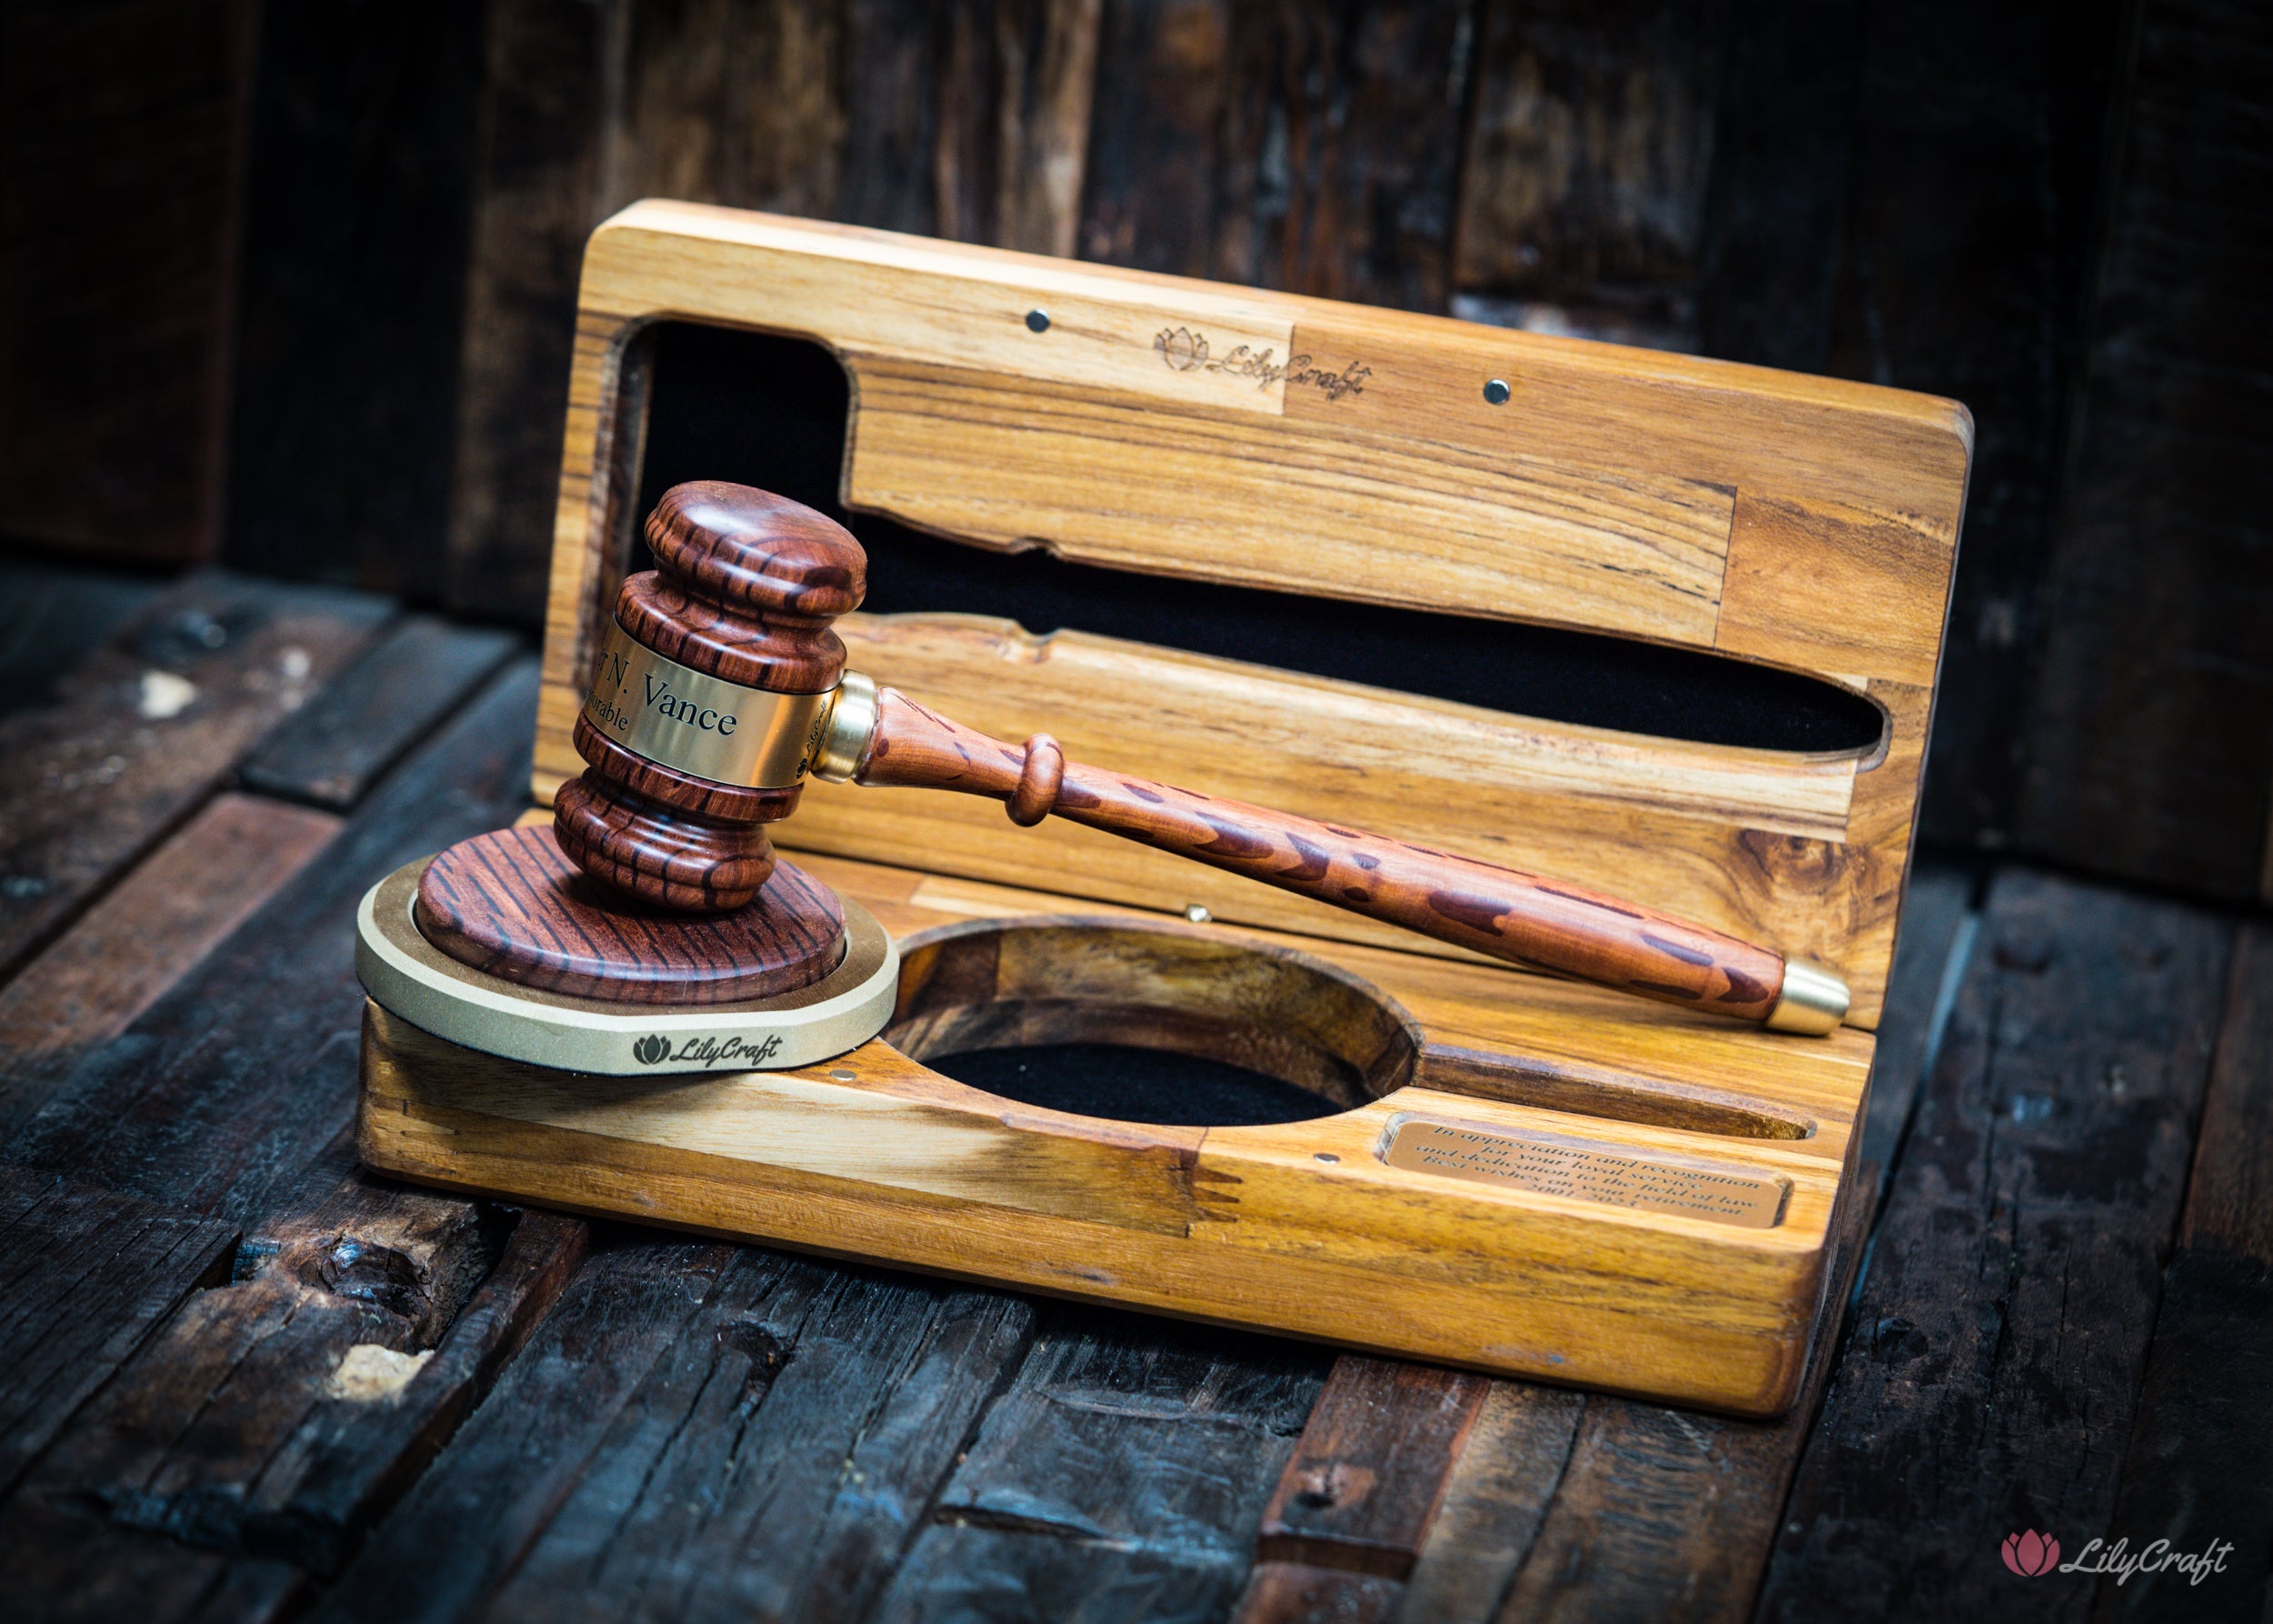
column 1520, row 917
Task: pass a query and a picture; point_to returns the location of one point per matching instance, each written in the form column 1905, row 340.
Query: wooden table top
column 241, row 1379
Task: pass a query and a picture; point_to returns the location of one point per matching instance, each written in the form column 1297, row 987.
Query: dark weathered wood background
column 290, row 286
column 287, row 287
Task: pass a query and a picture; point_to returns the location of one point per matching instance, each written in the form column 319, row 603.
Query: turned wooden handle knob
column 718, row 661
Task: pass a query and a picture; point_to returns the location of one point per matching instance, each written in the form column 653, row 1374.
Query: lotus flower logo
column 652, row 1051
column 2032, row 1554
column 1181, row 348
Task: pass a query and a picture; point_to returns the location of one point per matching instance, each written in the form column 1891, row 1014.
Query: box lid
column 1231, row 435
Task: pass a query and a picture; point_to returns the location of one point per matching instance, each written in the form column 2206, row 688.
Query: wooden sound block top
column 511, row 905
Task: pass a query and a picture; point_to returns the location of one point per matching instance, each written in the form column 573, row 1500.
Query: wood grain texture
column 2230, row 1194
column 267, row 1422
column 463, row 1523
column 1495, row 1494
column 1297, row 147
column 277, row 1412
column 1748, row 841
column 2150, row 733
column 747, row 588
column 1663, row 1514
column 693, row 1509
column 1589, row 154
column 996, row 460
column 148, row 931
column 1121, row 1468
column 144, row 729
column 2035, row 1197
column 2191, row 1472
column 891, row 1163
column 1370, row 1468
column 1973, row 144
column 172, row 1113
column 511, row 905
column 1539, row 924
column 654, row 854
column 1015, row 83
column 377, row 710
column 1630, row 473
column 89, row 1275
column 967, row 120
column 989, row 984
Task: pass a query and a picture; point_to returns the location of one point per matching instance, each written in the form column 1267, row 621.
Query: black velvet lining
column 771, row 412
column 1133, row 1085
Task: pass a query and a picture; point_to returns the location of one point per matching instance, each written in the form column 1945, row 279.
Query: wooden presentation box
column 1529, row 1176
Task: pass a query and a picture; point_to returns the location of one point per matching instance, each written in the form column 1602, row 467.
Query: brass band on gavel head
column 701, row 725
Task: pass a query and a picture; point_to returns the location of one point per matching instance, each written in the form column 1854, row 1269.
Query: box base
column 1353, row 1228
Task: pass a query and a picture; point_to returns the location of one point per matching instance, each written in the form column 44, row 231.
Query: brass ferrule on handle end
column 1814, row 1001
column 846, row 730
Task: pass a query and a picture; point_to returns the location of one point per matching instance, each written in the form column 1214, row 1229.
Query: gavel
column 721, row 685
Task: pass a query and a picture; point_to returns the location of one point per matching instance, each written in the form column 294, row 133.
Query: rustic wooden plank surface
column 1589, row 156
column 2002, row 1329
column 2150, row 741
column 269, row 1414
column 1122, row 1475
column 171, row 909
column 1303, row 147
column 230, row 1085
column 1937, row 927
column 1371, row 1467
column 401, row 688
column 268, row 1420
column 466, row 1523
column 1494, row 1499
column 2195, row 1474
column 1354, row 1505
column 781, row 1453
column 85, row 1275
column 56, row 614
column 146, row 728
column 1976, row 170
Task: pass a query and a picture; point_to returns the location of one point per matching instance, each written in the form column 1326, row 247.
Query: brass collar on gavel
column 680, row 718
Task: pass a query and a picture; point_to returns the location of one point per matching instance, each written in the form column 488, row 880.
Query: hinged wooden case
column 1178, row 428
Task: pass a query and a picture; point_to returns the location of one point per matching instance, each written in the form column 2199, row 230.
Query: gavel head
column 709, row 696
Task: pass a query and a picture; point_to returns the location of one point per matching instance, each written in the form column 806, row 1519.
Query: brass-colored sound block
column 408, row 974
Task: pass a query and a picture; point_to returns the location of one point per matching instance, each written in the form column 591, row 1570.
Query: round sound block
column 511, row 905
column 411, row 977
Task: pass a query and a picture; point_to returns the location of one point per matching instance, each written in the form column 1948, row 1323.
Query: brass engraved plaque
column 656, row 708
column 1584, row 1170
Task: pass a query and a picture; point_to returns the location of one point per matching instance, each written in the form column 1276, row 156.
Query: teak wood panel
column 874, row 1155
column 1802, row 522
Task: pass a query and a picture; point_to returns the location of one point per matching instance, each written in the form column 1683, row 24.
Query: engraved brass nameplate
column 669, row 713
column 1588, row 1171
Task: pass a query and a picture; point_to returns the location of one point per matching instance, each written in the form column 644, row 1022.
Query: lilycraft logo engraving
column 654, row 1049
column 1184, row 350
column 2032, row 1554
